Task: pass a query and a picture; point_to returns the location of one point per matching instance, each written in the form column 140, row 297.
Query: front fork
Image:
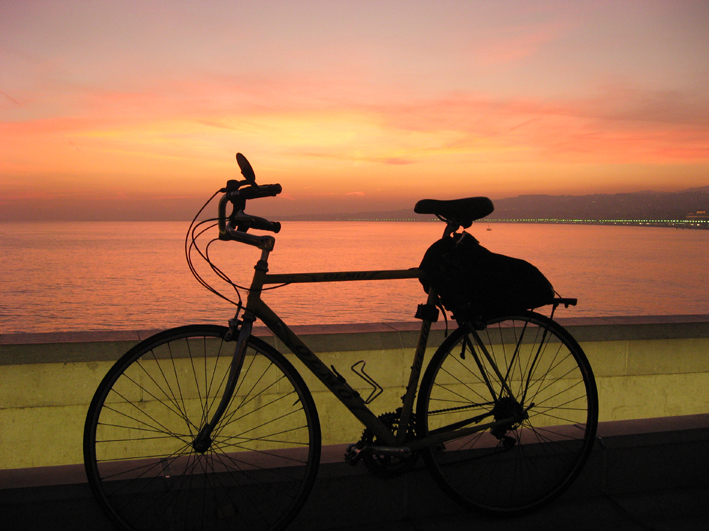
column 204, row 438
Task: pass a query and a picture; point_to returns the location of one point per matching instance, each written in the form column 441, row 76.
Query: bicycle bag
column 479, row 284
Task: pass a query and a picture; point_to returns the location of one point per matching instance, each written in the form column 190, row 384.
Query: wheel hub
column 507, row 408
column 202, row 443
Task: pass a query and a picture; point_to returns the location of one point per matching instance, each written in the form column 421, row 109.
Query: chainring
column 386, row 465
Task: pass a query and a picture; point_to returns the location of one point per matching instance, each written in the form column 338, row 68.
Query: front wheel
column 140, row 455
column 527, row 379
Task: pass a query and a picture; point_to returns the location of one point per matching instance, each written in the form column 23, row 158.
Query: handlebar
column 257, row 191
column 235, row 226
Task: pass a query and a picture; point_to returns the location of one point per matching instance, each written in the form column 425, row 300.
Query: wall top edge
column 102, row 336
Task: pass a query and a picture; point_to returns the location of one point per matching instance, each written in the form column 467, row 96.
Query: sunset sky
column 135, row 110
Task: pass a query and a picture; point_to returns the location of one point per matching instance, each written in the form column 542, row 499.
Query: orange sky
column 136, row 109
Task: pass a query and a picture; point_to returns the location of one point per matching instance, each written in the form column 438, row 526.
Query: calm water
column 118, row 276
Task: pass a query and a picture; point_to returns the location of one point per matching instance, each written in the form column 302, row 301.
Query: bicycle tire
column 145, row 414
column 517, row 467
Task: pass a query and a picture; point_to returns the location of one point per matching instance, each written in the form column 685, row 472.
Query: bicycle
column 206, row 426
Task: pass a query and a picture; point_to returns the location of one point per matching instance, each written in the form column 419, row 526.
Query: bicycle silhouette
column 210, row 427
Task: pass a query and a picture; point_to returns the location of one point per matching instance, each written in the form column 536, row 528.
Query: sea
column 90, row 276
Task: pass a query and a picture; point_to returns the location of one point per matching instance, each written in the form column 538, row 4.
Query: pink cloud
column 628, row 125
column 513, row 43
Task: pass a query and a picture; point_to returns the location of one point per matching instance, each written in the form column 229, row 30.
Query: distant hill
column 631, row 206
column 596, row 207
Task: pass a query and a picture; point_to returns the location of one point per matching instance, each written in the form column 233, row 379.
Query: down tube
column 349, row 397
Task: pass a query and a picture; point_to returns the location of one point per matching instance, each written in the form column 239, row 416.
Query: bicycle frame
column 203, row 426
column 393, row 443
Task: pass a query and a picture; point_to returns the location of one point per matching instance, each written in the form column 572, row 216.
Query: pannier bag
column 479, row 284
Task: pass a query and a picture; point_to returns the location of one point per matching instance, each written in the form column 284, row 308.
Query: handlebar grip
column 255, row 192
column 264, row 224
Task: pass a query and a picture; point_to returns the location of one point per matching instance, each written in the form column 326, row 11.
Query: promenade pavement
column 644, row 475
column 683, row 509
column 672, row 510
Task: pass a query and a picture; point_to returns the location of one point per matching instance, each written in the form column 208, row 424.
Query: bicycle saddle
column 462, row 211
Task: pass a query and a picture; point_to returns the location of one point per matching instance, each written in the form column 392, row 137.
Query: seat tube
column 416, row 369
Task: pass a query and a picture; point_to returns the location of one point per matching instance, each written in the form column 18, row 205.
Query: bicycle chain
column 459, row 408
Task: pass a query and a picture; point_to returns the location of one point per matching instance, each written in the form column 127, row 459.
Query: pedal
column 353, row 454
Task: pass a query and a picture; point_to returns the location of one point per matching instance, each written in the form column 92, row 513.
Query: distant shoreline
column 686, row 209
column 674, row 223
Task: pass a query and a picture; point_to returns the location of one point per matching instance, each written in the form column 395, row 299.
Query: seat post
column 451, row 227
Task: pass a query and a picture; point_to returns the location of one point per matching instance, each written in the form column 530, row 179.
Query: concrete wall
column 645, row 367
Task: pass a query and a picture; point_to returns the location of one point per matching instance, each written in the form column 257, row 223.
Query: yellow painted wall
column 644, row 368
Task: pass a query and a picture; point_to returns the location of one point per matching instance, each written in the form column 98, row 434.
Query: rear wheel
column 139, row 438
column 530, row 378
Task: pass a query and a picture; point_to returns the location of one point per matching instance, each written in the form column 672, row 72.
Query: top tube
column 343, row 276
